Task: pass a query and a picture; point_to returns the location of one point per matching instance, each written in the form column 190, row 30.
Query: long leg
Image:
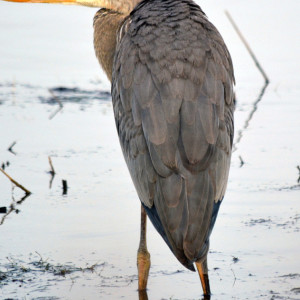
column 203, row 273
column 143, row 256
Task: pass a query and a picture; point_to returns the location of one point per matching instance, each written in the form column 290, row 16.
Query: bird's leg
column 143, row 295
column 203, row 273
column 143, row 256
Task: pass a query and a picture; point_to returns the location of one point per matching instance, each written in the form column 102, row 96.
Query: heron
column 172, row 83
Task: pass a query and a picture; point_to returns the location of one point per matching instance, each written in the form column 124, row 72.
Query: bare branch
column 59, row 103
column 248, row 47
column 52, row 172
column 65, row 187
column 56, row 98
column 15, row 182
column 10, row 148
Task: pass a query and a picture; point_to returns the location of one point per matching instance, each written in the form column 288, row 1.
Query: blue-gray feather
column 172, row 92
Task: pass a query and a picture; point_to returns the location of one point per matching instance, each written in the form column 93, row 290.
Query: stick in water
column 248, row 47
column 15, row 182
column 10, row 148
column 51, row 166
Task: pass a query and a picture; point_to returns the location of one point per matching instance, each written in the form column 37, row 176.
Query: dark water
column 54, row 101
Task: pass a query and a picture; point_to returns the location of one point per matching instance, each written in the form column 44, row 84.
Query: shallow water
column 83, row 245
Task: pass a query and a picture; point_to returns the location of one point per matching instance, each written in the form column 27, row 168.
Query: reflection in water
column 62, row 94
column 240, row 133
column 143, row 295
column 250, row 116
column 51, row 180
column 51, row 172
column 74, row 95
column 55, row 112
column 60, row 107
column 12, row 207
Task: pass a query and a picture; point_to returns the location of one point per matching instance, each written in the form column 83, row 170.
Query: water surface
column 83, row 245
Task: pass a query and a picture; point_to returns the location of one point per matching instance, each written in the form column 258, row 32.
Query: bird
column 172, row 87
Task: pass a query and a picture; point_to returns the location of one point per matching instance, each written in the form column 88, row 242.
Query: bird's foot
column 143, row 295
column 143, row 264
column 203, row 274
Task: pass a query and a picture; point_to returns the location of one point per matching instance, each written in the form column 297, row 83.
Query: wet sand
column 83, row 245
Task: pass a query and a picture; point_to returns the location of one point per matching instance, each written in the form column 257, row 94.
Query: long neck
column 121, row 6
column 106, row 25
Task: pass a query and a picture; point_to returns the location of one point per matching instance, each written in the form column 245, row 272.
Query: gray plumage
column 172, row 92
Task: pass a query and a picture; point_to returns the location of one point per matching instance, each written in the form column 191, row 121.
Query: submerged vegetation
column 19, row 271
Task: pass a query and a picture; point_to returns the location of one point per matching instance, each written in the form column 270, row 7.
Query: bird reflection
column 144, row 296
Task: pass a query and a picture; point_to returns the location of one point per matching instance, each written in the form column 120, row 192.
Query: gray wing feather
column 172, row 92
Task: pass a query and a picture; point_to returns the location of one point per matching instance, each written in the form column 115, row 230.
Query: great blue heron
column 172, row 91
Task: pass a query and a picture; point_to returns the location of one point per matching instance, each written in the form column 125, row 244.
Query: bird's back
column 173, row 102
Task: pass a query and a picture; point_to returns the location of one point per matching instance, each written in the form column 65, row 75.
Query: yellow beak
column 45, row 1
column 122, row 6
column 91, row 3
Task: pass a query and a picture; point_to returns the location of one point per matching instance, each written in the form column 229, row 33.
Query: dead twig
column 255, row 104
column 10, row 148
column 11, row 209
column 59, row 103
column 248, row 47
column 56, row 98
column 65, row 187
column 234, row 261
column 242, row 161
column 15, row 182
column 22, row 199
column 234, row 276
column 52, row 172
column 3, row 210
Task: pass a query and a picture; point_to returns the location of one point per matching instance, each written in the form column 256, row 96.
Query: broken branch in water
column 242, row 161
column 16, row 183
column 8, row 210
column 10, row 148
column 248, row 47
column 59, row 103
column 3, row 210
column 56, row 98
column 233, row 276
column 65, row 187
column 52, row 172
